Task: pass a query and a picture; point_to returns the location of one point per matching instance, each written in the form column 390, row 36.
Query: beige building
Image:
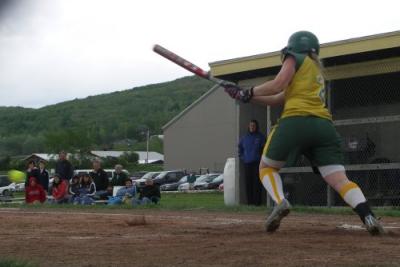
column 363, row 95
column 203, row 135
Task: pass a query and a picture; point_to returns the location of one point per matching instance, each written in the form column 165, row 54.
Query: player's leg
column 273, row 158
column 327, row 154
column 271, row 180
column 351, row 193
column 279, row 143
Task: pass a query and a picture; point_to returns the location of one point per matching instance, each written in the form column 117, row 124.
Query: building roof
column 153, row 156
column 107, row 153
column 332, row 49
column 44, row 156
column 150, row 161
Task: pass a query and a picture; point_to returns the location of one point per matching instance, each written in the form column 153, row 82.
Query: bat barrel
column 180, row 61
column 187, row 64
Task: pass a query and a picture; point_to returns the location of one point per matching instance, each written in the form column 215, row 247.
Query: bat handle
column 218, row 81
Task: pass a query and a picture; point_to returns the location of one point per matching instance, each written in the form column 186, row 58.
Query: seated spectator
column 87, row 190
column 34, row 193
column 74, row 190
column 150, row 193
column 59, row 190
column 124, row 194
column 100, row 179
column 119, row 177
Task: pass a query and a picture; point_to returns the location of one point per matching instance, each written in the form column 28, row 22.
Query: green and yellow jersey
column 305, row 95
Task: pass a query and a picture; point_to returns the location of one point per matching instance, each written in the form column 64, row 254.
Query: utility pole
column 148, row 140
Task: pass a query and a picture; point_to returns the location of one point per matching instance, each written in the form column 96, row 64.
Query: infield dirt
column 191, row 238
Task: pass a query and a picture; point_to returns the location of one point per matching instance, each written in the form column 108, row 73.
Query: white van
column 110, row 172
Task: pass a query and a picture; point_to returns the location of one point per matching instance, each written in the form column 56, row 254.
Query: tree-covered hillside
column 100, row 121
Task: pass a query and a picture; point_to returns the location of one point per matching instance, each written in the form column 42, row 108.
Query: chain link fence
column 366, row 113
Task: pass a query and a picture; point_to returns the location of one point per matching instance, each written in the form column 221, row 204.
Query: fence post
column 330, row 200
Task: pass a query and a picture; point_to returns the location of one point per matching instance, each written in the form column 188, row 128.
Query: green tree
column 130, row 157
column 97, row 121
column 5, row 163
column 81, row 161
column 18, row 164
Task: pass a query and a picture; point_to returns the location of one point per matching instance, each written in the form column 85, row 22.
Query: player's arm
column 269, row 88
column 271, row 100
column 281, row 81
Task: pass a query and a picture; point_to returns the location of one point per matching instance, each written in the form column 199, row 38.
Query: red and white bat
column 187, row 64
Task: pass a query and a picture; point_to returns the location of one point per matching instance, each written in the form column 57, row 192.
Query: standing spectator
column 43, row 178
column 250, row 151
column 31, row 171
column 100, row 179
column 74, row 189
column 87, row 190
column 34, row 192
column 191, row 179
column 150, row 193
column 59, row 190
column 119, row 177
column 64, row 167
column 124, row 194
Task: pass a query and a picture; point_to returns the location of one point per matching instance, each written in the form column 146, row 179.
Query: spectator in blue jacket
column 124, row 194
column 250, row 151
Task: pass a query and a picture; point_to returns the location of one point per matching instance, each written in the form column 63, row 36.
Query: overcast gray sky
column 57, row 50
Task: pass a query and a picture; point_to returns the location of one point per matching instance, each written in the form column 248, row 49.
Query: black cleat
column 278, row 213
column 373, row 226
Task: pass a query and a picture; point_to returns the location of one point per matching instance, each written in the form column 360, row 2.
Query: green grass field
column 210, row 201
column 15, row 263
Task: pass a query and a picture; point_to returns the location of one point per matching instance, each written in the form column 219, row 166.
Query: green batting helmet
column 303, row 42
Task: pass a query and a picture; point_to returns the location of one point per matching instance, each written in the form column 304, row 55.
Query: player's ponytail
column 318, row 62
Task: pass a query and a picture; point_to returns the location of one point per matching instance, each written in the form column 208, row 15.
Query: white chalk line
column 360, row 227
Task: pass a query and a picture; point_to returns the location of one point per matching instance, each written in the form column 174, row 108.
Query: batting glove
column 246, row 95
column 238, row 93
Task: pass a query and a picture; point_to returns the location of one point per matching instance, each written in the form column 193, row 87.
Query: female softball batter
column 305, row 127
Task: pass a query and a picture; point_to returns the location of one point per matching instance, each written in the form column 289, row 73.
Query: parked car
column 174, row 186
column 137, row 175
column 213, row 184
column 216, row 182
column 20, row 187
column 167, row 177
column 140, row 182
column 205, row 178
column 7, row 188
